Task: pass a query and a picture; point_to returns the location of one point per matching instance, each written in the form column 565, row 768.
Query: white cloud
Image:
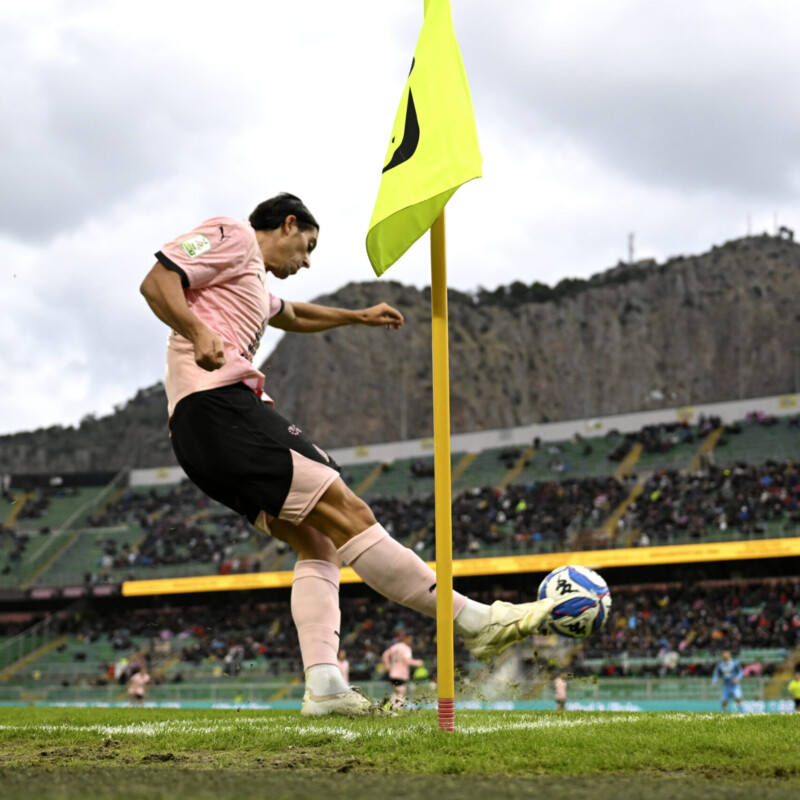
column 124, row 125
column 684, row 94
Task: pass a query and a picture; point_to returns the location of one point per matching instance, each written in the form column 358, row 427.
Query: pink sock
column 315, row 610
column 395, row 571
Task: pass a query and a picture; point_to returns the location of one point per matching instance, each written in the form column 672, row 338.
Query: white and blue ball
column 582, row 601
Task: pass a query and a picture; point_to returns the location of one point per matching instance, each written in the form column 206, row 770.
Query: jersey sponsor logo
column 252, row 348
column 294, row 430
column 196, row 245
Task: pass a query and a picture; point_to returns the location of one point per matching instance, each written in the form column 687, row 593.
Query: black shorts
column 240, row 451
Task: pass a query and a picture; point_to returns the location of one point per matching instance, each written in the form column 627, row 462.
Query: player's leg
column 256, row 462
column 316, row 615
column 315, row 604
column 400, row 575
column 253, row 460
column 398, row 696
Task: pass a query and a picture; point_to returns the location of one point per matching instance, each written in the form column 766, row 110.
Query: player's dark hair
column 271, row 214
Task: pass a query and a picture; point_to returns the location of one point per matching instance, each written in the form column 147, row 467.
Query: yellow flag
column 434, row 145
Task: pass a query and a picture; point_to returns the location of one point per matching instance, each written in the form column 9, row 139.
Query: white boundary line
column 209, row 726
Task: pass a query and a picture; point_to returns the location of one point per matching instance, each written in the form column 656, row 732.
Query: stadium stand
column 667, row 484
column 528, row 500
column 655, row 631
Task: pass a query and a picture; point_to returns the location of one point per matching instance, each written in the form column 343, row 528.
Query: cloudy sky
column 125, row 124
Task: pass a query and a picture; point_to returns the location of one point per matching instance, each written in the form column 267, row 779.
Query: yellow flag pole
column 442, row 480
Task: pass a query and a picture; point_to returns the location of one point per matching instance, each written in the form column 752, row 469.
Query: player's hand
column 383, row 314
column 209, row 352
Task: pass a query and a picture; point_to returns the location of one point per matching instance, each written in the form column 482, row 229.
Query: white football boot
column 352, row 703
column 508, row 623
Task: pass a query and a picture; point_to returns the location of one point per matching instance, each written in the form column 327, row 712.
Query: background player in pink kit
column 560, row 690
column 210, row 287
column 137, row 686
column 398, row 660
column 344, row 666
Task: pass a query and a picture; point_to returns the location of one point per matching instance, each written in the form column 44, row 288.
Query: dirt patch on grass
column 165, row 780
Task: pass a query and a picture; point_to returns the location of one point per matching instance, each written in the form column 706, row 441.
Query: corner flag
column 434, row 145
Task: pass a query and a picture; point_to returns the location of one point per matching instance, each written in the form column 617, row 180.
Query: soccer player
column 560, row 690
column 210, row 286
column 730, row 670
column 137, row 686
column 398, row 659
column 794, row 688
column 344, row 666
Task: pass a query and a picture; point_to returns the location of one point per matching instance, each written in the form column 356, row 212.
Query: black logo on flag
column 408, row 145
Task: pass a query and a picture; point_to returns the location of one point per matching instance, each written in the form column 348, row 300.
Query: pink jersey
column 225, row 283
column 397, row 660
column 138, row 682
column 560, row 686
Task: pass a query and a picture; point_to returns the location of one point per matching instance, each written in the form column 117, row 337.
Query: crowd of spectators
column 14, row 546
column 667, row 629
column 133, row 507
column 661, row 438
column 674, row 505
column 671, row 625
column 182, row 526
column 739, row 500
column 550, row 516
column 37, row 499
column 537, row 517
column 170, row 541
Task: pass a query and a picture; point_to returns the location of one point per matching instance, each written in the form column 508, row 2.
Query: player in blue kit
column 730, row 670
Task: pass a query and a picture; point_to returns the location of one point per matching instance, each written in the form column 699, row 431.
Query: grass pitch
column 158, row 753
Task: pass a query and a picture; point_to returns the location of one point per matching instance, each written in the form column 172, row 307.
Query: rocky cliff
column 717, row 326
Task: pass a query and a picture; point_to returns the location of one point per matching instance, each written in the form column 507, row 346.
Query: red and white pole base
column 447, row 715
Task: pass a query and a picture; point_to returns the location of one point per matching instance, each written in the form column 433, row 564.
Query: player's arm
column 164, row 294
column 312, row 318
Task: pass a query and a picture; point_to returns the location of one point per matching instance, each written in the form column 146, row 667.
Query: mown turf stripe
column 325, row 726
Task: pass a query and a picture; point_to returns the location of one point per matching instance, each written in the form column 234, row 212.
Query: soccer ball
column 582, row 600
